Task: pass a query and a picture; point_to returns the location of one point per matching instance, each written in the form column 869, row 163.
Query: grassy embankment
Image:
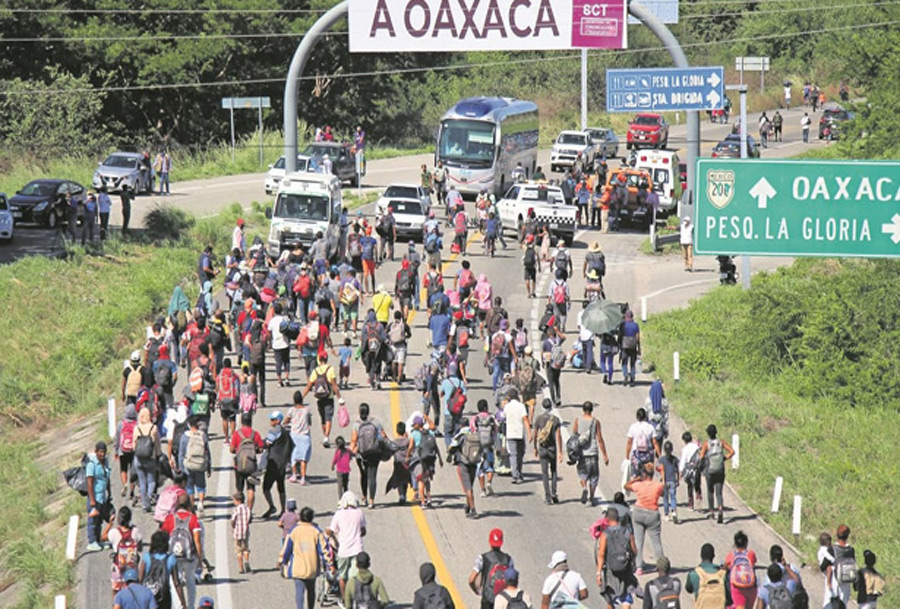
column 67, row 328
column 804, row 366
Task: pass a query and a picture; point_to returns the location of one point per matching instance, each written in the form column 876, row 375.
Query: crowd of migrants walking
column 335, row 332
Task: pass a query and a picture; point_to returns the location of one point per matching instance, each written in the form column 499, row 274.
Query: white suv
column 569, row 145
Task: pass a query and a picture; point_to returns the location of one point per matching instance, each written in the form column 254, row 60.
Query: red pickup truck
column 648, row 131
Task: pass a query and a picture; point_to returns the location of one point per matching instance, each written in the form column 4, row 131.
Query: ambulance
column 663, row 167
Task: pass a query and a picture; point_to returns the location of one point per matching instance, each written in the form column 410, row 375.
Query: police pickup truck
column 549, row 208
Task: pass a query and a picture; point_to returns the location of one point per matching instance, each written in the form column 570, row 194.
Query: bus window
column 468, row 141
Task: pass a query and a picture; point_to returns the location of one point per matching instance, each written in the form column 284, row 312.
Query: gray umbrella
column 602, row 316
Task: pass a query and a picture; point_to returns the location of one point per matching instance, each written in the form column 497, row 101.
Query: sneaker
column 584, row 496
column 490, row 489
column 94, row 547
column 303, row 482
column 548, row 501
column 484, row 493
column 721, row 518
column 247, row 567
column 638, row 571
column 292, row 479
column 675, row 518
column 473, row 515
column 326, row 443
column 554, row 499
column 201, row 512
column 268, row 513
column 666, row 517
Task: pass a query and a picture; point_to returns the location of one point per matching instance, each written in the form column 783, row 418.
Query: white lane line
column 223, row 533
column 679, row 286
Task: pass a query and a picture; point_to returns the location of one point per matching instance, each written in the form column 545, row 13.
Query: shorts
column 125, row 461
column 241, row 479
column 356, row 262
column 242, row 545
column 346, row 567
column 482, row 314
column 400, row 355
column 228, row 410
column 326, row 409
column 344, row 371
column 302, row 448
column 196, row 482
column 350, row 311
column 368, row 267
column 487, row 462
column 405, row 301
column 530, row 273
column 466, row 475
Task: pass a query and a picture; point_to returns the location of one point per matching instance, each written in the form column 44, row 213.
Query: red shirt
column 242, row 433
column 169, row 524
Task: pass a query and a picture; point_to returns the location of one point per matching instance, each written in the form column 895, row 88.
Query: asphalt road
column 402, row 537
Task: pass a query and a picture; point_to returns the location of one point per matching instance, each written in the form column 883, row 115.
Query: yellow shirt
column 382, row 303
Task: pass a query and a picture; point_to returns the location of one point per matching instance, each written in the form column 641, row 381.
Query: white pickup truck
column 548, row 204
column 568, row 146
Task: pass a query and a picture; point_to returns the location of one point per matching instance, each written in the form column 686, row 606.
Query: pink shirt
column 341, row 461
column 483, row 293
column 347, row 524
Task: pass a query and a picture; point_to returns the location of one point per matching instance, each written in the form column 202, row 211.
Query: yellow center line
column 431, row 546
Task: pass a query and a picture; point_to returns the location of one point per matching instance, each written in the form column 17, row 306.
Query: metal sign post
column 232, row 103
column 753, row 64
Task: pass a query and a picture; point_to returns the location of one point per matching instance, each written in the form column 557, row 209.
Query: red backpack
column 126, row 437
column 559, row 293
column 302, row 286
column 466, row 278
column 226, row 385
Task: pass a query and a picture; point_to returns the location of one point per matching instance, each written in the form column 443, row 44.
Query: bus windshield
column 302, row 207
column 465, row 141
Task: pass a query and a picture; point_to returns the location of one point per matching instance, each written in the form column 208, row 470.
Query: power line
column 163, row 37
column 446, row 68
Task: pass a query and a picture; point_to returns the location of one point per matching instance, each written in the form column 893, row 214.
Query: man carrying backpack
column 453, row 399
column 364, row 590
column 663, row 592
column 398, row 333
column 502, row 353
column 548, row 447
column 708, row 582
column 518, row 432
column 185, row 545
column 246, row 445
column 563, row 587
column 615, row 562
column 716, row 452
column 431, row 595
column 165, row 375
column 99, row 506
column 373, row 341
column 558, row 296
column 531, row 264
column 366, row 441
column 488, row 575
column 324, row 386
column 405, row 287
column 774, row 594
column 194, row 460
column 133, row 595
column 134, row 377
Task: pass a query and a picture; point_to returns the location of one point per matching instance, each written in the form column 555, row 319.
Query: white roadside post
column 798, row 507
column 676, row 366
column 776, row 496
column 111, row 413
column 72, row 537
column 736, row 445
column 643, row 308
column 59, row 602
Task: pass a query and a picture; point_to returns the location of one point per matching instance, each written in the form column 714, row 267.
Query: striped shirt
column 240, row 521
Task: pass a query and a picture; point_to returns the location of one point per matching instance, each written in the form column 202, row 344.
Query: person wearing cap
column 383, row 304
column 279, row 446
column 489, row 570
column 405, row 286
column 206, row 602
column 99, row 506
column 134, row 595
column 663, row 586
column 511, row 591
column 563, row 585
column 135, row 376
column 549, row 448
column 238, row 241
column 368, row 246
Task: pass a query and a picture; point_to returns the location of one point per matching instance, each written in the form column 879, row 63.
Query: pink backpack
column 167, row 502
column 248, row 401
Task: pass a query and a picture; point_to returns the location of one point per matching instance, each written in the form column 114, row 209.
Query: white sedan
column 7, row 223
column 405, row 191
column 409, row 216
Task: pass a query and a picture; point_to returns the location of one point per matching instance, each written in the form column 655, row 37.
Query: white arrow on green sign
column 798, row 208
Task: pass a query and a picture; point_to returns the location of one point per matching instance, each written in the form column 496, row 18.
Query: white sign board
column 384, row 26
column 751, row 64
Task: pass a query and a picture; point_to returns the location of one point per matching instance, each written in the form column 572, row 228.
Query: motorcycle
column 727, row 270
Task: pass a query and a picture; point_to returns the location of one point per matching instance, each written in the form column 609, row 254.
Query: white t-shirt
column 515, row 414
column 347, row 525
column 278, row 339
column 115, row 536
column 687, row 453
column 571, row 586
column 642, row 434
column 687, row 234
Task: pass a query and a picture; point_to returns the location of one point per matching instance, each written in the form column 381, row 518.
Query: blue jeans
column 164, row 181
column 587, row 355
column 606, row 362
column 500, row 367
column 305, row 592
column 146, row 473
column 95, row 523
column 416, row 287
column 670, row 498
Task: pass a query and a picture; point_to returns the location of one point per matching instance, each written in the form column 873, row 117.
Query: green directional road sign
column 798, row 208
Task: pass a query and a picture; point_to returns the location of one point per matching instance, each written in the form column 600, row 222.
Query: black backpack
column 514, row 602
column 530, row 257
column 667, row 593
column 493, row 570
column 216, row 336
column 153, row 350
column 157, row 580
column 163, row 376
column 364, row 596
column 618, row 549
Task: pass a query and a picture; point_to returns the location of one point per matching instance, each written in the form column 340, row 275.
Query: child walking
column 341, row 465
column 240, row 524
column 345, row 353
column 668, row 465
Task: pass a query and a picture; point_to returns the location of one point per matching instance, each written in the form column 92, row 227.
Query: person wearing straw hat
column 594, row 260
